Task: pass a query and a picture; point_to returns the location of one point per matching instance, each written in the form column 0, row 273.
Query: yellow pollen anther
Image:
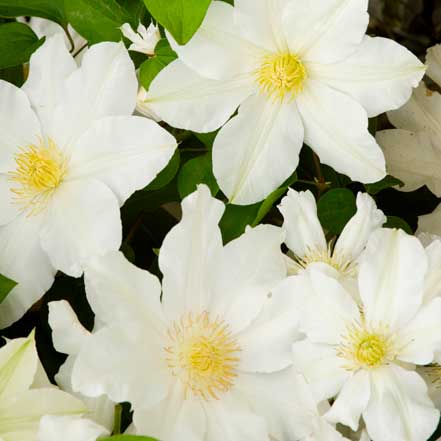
column 203, row 355
column 39, row 171
column 282, row 75
column 367, row 348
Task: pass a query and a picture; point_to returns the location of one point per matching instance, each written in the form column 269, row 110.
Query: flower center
column 282, row 75
column 203, row 355
column 39, row 171
column 366, row 348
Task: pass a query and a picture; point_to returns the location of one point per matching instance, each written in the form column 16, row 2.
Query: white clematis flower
column 306, row 239
column 70, row 155
column 23, row 399
column 192, row 365
column 365, row 354
column 413, row 149
column 299, row 72
column 143, row 40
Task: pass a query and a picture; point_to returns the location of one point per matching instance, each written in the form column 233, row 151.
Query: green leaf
column 397, row 222
column 194, row 172
column 387, row 182
column 6, row 286
column 128, row 438
column 17, row 43
column 181, row 17
column 335, row 208
column 50, row 9
column 164, row 55
column 167, row 174
column 207, row 138
column 97, row 20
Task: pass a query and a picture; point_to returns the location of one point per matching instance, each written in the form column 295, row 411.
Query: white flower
column 70, row 155
column 298, row 71
column 430, row 223
column 192, row 366
column 365, row 354
column 144, row 40
column 26, row 395
column 413, row 149
column 306, row 239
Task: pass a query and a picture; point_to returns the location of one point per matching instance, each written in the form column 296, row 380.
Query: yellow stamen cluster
column 365, row 347
column 203, row 354
column 281, row 76
column 39, row 171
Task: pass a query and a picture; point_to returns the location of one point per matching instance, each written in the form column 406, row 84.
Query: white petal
column 356, row 233
column 125, row 152
column 433, row 60
column 217, row 50
column 352, row 401
column 19, row 126
column 399, row 405
column 420, row 113
column 20, row 416
column 433, row 279
column 187, row 254
column 314, row 29
column 82, row 221
column 391, row 277
column 22, row 259
column 104, row 85
column 112, row 363
column 49, row 67
column 380, row 75
column 10, row 209
column 421, row 337
column 260, row 21
column 413, row 158
column 257, row 150
column 336, row 128
column 129, row 33
column 18, row 366
column 300, row 221
column 321, row 367
column 68, row 334
column 275, row 329
column 244, row 274
column 68, row 428
column 431, row 223
column 183, row 99
column 119, row 292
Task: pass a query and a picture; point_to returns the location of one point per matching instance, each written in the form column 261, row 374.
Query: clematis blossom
column 70, row 156
column 297, row 72
column 192, row 366
column 144, row 40
column 364, row 355
column 307, row 242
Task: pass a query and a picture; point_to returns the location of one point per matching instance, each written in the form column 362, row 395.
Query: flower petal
column 356, row 232
column 125, row 152
column 352, row 401
column 119, row 292
column 217, row 50
column 433, row 60
column 49, row 67
column 336, row 128
column 10, row 208
column 245, row 272
column 257, row 150
column 186, row 100
column 187, row 253
column 380, row 75
column 391, row 277
column 19, row 126
column 412, row 158
column 314, row 29
column 433, row 279
column 431, row 223
column 104, row 85
column 22, row 259
column 300, row 221
column 82, row 221
column 399, row 405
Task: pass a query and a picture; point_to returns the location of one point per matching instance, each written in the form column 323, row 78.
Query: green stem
column 117, row 419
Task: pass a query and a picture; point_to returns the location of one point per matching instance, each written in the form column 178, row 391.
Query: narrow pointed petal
column 257, row 150
column 336, row 128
